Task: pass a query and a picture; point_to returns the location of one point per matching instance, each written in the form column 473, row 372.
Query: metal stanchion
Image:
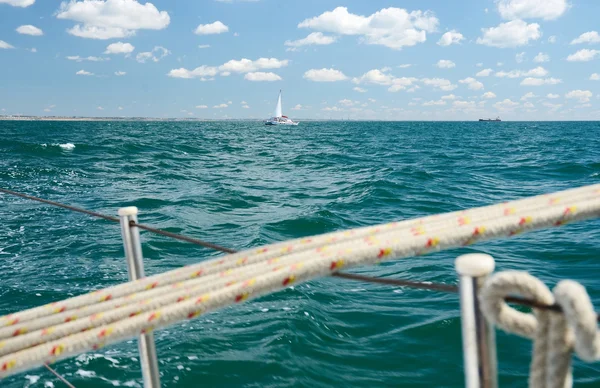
column 135, row 266
column 479, row 339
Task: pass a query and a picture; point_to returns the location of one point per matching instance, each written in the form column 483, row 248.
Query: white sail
column 278, row 107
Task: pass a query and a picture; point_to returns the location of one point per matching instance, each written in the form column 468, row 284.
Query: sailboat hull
column 275, row 122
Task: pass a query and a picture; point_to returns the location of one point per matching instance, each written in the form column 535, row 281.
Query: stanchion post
column 478, row 336
column 135, row 266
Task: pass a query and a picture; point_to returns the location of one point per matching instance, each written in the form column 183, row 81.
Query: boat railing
column 46, row 334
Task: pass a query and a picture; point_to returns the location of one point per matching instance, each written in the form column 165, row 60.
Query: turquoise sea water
column 241, row 185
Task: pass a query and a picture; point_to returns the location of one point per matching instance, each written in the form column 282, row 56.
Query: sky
column 357, row 59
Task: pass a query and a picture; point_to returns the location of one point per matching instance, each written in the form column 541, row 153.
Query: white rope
column 554, row 334
column 52, row 332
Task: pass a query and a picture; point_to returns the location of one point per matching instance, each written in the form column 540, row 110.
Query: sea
column 242, row 184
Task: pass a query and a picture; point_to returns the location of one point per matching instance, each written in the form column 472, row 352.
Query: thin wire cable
column 55, row 373
column 206, row 244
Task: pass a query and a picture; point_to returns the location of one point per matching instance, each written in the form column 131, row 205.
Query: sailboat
column 278, row 118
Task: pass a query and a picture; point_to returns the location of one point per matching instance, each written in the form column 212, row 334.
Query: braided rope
column 48, row 333
column 554, row 334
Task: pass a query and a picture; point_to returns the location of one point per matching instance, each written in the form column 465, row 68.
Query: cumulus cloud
column 450, row 37
column 382, row 77
column 246, row 65
column 211, row 29
column 484, row 73
column 552, row 39
column 111, row 18
column 404, row 65
column 550, row 95
column 157, row 53
column 528, row 96
column 18, row 3
column 324, row 75
column 532, row 9
column 439, row 83
column 83, row 72
column 298, row 107
column 29, row 30
column 262, row 76
column 506, row 104
column 511, row 34
column 449, row 97
column 391, row 27
column 120, row 73
column 541, row 57
column 445, row 64
column 203, row 46
column 472, row 83
column 590, row 37
column 4, row 45
column 535, row 72
column 583, row 55
column 201, row 106
column 595, row 77
column 77, row 58
column 359, row 89
column 540, row 81
column 314, row 38
column 434, row 103
column 580, row 95
column 234, row 66
column 119, row 48
column 488, row 95
column 520, row 57
column 221, row 106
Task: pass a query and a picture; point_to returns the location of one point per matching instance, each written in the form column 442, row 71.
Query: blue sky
column 399, row 60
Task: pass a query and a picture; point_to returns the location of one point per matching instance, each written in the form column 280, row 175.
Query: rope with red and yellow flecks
column 48, row 333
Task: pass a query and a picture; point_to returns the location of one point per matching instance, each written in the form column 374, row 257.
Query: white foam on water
column 48, row 384
column 85, row 373
column 31, row 380
column 67, row 146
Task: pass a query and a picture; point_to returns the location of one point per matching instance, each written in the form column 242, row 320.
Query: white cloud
column 221, row 106
column 583, row 55
column 346, row 102
column 511, row 34
column 18, row 3
column 100, row 108
column 550, row 95
column 380, row 77
column 532, row 9
column 589, row 37
column 111, row 18
column 581, row 95
column 245, row 106
column 535, row 72
column 595, row 77
column 33, row 50
column 119, row 48
column 488, row 95
column 552, row 106
column 83, row 72
column 434, row 103
column 484, row 73
column 298, row 107
column 77, row 58
column 332, row 109
column 203, row 46
column 246, row 65
column 540, row 81
column 479, row 64
column 313, row 38
column 439, row 83
column 199, row 72
column 262, row 76
column 120, row 73
column 541, row 57
column 463, row 104
column 552, row 39
column 404, row 65
column 450, row 37
column 527, row 96
column 391, row 27
column 445, row 64
column 528, row 105
column 120, row 108
column 211, row 29
column 449, row 97
column 324, row 75
column 520, row 57
column 29, row 30
column 472, row 83
column 506, row 104
column 201, row 106
column 4, row 45
column 358, row 89
column 157, row 53
column 372, row 100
